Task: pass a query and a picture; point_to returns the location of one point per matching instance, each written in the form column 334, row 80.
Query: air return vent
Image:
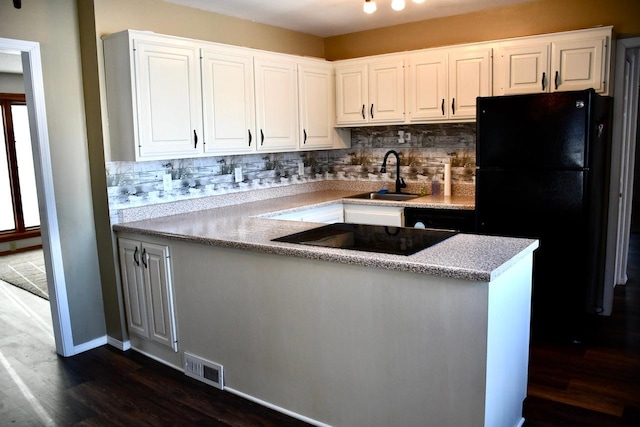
column 203, row 370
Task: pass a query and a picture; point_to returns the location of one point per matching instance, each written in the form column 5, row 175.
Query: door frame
column 624, row 134
column 34, row 93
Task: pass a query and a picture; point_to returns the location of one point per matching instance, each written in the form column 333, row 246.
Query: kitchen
column 106, row 19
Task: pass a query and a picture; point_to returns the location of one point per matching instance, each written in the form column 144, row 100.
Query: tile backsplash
column 423, row 155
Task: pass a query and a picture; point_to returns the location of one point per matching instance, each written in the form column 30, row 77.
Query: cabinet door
column 315, row 100
column 428, row 97
column 524, row 69
column 168, row 100
column 392, row 216
column 578, row 65
column 133, row 287
column 162, row 327
column 386, row 92
column 469, row 78
column 228, row 99
column 276, row 104
column 351, row 95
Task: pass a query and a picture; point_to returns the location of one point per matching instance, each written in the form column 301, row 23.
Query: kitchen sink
column 384, row 196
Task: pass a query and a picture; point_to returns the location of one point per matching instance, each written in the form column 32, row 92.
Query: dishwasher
column 449, row 219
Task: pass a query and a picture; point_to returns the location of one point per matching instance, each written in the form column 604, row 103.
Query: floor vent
column 203, row 370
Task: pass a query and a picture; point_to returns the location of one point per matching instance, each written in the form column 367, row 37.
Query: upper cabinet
column 172, row 98
column 445, row 85
column 316, row 102
column 154, row 105
column 370, row 92
column 574, row 60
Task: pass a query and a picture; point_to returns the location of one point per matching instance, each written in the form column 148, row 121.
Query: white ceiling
column 327, row 18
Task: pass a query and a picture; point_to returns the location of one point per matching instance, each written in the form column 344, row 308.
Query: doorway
column 36, row 109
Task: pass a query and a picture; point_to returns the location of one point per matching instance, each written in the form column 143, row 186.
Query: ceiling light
column 397, row 4
column 369, row 6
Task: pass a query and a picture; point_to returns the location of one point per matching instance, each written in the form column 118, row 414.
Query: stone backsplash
column 422, row 159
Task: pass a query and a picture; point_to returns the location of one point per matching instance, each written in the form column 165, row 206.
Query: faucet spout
column 400, row 184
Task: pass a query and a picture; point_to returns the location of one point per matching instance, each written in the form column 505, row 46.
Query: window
column 19, row 216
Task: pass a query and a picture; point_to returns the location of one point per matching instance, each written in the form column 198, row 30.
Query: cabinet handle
column 556, row 80
column 363, row 117
column 442, row 106
column 544, row 77
column 261, row 137
column 372, row 111
column 249, row 137
column 135, row 257
column 304, row 131
column 453, row 106
column 144, row 257
column 195, row 139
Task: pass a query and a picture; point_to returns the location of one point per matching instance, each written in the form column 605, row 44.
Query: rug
column 25, row 270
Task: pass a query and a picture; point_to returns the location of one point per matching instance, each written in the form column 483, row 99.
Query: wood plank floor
column 592, row 384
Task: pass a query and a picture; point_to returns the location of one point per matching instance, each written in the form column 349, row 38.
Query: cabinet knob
column 195, row 139
column 372, row 111
column 304, row 131
column 261, row 137
column 442, row 106
column 363, row 116
column 453, row 106
column 249, row 137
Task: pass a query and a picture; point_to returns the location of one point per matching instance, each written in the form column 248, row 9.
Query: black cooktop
column 370, row 238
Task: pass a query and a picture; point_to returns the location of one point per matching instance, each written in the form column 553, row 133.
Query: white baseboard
column 120, row 345
column 89, row 345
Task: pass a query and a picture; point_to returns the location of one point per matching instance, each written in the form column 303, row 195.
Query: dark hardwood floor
column 591, row 384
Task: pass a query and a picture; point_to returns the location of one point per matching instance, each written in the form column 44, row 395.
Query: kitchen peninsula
column 341, row 337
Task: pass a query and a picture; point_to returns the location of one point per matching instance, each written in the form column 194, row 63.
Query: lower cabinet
column 148, row 292
column 374, row 215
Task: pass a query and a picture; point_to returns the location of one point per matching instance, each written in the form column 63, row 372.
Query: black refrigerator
column 543, row 172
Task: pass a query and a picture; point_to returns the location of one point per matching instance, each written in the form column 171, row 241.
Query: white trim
column 89, row 345
column 276, row 408
column 34, row 92
column 120, row 345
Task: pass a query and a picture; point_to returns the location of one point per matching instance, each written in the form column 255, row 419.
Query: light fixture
column 397, row 4
column 369, row 6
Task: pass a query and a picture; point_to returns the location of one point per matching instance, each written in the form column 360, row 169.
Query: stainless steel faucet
column 399, row 181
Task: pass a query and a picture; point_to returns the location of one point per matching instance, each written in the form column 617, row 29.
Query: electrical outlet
column 167, row 183
column 238, row 174
column 407, row 136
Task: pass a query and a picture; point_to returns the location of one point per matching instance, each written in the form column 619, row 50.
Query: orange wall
column 538, row 17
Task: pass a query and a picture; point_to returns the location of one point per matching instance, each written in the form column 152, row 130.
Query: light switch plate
column 238, row 174
column 300, row 167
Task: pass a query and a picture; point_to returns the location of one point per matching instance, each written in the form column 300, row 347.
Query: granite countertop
column 247, row 226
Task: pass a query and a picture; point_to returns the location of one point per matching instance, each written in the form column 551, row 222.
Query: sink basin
column 384, row 196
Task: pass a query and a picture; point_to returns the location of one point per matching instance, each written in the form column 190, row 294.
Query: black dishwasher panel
column 448, row 219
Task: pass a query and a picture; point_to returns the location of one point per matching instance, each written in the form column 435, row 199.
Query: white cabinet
column 370, row 92
column 327, row 214
column 228, row 99
column 316, row 94
column 374, row 215
column 563, row 62
column 469, row 78
column 578, row 64
column 276, row 104
column 154, row 105
column 172, row 98
column 445, row 85
column 148, row 291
